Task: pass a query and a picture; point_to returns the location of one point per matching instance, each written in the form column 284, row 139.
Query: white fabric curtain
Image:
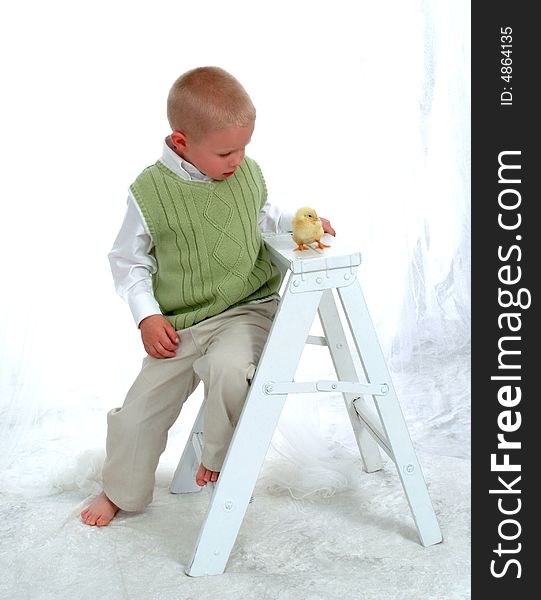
column 363, row 112
column 411, row 215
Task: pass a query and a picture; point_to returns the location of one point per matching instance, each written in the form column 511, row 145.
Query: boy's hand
column 327, row 228
column 159, row 337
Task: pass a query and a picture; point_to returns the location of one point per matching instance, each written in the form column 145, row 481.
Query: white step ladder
column 313, row 275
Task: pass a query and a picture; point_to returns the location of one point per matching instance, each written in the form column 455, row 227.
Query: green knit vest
column 207, row 242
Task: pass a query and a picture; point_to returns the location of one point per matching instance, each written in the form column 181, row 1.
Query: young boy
column 190, row 261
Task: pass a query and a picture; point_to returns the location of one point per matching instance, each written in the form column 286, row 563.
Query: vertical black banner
column 506, row 244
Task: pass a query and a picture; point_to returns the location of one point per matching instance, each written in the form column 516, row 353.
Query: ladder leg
column 253, row 433
column 184, row 478
column 390, row 413
column 345, row 370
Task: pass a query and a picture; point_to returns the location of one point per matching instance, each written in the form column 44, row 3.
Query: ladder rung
column 318, row 340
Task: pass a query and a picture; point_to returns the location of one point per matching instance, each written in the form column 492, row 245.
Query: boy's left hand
column 327, row 226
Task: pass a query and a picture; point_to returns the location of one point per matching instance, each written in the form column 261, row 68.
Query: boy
column 191, row 263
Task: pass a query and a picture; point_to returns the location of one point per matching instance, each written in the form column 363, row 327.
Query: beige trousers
column 221, row 351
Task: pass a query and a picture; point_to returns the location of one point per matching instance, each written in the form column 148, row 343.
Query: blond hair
column 206, row 99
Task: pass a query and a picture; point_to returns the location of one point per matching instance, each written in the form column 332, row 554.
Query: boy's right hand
column 159, row 337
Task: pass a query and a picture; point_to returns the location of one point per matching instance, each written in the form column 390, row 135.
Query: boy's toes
column 200, row 476
column 100, row 511
column 89, row 519
column 205, row 476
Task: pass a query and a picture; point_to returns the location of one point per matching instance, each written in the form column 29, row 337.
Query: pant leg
column 227, row 366
column 137, row 432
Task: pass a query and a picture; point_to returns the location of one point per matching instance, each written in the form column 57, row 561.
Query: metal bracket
column 349, row 387
column 373, row 429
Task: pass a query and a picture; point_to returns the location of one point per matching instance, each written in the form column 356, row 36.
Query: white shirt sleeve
column 132, row 264
column 272, row 219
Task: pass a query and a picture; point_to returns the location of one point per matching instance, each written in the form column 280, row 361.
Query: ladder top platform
column 341, row 254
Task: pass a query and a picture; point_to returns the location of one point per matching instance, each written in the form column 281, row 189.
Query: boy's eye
column 226, row 154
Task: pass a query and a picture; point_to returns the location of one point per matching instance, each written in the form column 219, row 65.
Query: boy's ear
column 179, row 140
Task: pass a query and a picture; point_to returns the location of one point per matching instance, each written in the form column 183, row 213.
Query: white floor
column 351, row 545
column 350, row 540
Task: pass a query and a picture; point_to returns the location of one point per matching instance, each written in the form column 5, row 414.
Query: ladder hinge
column 348, row 387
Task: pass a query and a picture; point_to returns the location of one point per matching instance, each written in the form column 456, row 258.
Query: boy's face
column 218, row 153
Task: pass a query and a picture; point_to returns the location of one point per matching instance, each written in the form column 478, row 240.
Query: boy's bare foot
column 205, row 475
column 100, row 511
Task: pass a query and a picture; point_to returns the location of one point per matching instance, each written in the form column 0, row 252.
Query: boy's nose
column 236, row 159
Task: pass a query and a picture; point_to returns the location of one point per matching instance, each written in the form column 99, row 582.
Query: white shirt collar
column 181, row 167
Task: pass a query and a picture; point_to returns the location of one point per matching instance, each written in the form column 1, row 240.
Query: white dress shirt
column 131, row 262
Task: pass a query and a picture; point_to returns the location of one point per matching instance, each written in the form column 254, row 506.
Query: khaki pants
column 221, row 351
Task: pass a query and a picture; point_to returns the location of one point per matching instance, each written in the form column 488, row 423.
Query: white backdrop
column 363, row 113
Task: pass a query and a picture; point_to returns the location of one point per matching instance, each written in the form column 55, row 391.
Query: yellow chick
column 307, row 228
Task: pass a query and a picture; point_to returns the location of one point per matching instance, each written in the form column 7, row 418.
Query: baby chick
column 307, row 228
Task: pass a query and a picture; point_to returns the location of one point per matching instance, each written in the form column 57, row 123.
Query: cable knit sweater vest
column 208, row 245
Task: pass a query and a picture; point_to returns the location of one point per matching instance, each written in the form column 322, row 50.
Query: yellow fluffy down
column 306, row 226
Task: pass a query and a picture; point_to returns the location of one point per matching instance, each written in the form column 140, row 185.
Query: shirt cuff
column 285, row 224
column 142, row 306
